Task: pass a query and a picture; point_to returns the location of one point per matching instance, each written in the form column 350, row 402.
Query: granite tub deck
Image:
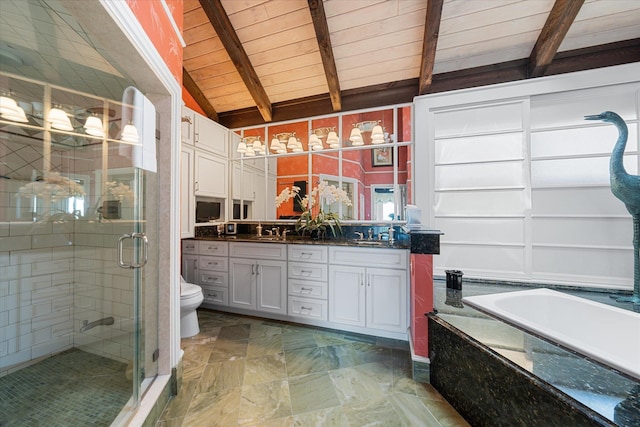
column 495, row 374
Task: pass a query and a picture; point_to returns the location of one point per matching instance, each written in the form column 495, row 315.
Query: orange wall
column 156, row 23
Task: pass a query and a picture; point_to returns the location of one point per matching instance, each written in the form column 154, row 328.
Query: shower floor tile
column 72, row 388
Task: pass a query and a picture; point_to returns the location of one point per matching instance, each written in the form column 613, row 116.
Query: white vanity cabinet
column 213, row 272
column 206, row 264
column 258, row 276
column 307, row 284
column 368, row 288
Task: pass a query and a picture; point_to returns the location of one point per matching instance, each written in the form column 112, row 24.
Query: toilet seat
column 189, row 290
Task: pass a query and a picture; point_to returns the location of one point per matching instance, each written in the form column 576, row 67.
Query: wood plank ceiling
column 249, row 62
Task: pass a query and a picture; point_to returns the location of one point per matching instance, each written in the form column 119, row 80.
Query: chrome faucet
column 359, row 235
column 276, row 231
column 284, row 233
column 370, row 233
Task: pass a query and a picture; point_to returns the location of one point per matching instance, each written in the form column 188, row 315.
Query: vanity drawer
column 214, row 278
column 369, row 257
column 309, row 308
column 215, row 295
column 304, row 288
column 308, row 253
column 277, row 251
column 299, row 270
column 213, row 263
column 189, row 247
column 213, row 248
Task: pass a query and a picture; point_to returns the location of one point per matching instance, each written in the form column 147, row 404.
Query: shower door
column 79, row 258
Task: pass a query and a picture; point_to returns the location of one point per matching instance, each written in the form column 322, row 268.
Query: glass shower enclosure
column 78, row 258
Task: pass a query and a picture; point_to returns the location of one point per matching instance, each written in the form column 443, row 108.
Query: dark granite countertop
column 300, row 240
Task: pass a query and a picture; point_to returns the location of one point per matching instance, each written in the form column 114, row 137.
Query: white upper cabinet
column 211, row 136
column 211, row 175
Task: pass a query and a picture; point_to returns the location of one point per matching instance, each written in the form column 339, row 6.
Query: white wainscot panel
column 579, row 172
column 479, row 148
column 492, row 118
column 481, row 258
column 481, row 230
column 482, row 175
column 576, row 201
column 505, row 202
column 579, row 141
column 583, row 231
column 590, row 265
column 561, row 109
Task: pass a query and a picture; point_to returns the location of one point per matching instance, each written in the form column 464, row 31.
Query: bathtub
column 604, row 333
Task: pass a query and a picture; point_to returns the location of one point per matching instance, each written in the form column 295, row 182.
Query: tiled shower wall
column 54, row 275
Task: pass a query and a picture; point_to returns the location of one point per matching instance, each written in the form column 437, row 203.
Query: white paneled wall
column 518, row 181
column 480, row 184
column 581, row 232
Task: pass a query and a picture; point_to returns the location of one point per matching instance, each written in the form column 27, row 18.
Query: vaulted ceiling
column 249, row 62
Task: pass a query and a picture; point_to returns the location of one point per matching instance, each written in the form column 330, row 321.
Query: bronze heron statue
column 625, row 187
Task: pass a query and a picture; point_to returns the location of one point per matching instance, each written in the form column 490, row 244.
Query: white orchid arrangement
column 52, row 186
column 321, row 221
column 118, row 191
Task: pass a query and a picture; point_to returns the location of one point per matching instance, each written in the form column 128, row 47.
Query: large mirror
column 367, row 154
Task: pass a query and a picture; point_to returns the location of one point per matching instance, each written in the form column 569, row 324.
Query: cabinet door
column 242, row 274
column 271, row 284
column 211, row 175
column 387, row 299
column 211, row 136
column 187, row 126
column 190, row 268
column 187, row 197
column 347, row 295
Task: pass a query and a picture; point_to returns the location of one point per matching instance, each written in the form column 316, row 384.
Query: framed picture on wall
column 382, row 156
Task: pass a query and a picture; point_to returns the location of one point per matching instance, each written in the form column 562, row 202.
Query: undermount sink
column 268, row 238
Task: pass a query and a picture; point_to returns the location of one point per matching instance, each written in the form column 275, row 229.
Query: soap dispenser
column 259, row 230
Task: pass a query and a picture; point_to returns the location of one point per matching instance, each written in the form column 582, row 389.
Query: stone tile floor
column 246, row 371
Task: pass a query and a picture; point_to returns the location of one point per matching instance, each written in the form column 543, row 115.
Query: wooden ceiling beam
column 319, row 19
column 193, row 89
column 404, row 91
column 559, row 21
column 229, row 38
column 429, row 44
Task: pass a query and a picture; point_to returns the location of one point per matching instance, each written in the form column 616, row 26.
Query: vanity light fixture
column 297, row 148
column 10, row 110
column 332, row 139
column 242, row 147
column 130, row 134
column 356, row 136
column 93, row 126
column 59, row 119
column 292, row 142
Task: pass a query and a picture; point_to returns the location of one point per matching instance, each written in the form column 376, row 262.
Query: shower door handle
column 145, row 247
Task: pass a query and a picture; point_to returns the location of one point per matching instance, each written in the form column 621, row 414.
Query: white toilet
column 190, row 299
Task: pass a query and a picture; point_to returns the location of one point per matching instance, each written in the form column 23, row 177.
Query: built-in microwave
column 207, row 211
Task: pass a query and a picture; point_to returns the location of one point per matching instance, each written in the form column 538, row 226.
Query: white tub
column 601, row 332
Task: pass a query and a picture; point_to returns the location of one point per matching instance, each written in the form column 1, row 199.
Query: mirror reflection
column 367, row 154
